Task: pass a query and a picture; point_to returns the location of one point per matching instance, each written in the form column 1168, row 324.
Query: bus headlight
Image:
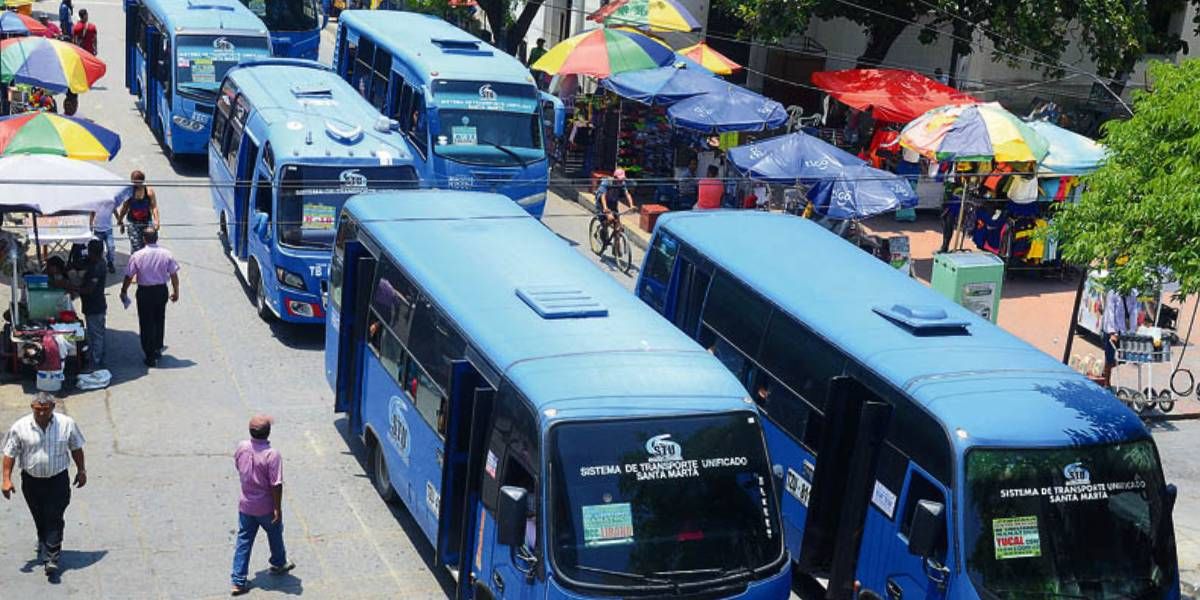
column 186, row 123
column 532, row 200
column 289, row 279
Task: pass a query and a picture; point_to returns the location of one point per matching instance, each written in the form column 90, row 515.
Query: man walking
column 44, row 443
column 95, row 306
column 260, row 469
column 152, row 267
column 102, row 228
column 84, row 33
column 64, row 16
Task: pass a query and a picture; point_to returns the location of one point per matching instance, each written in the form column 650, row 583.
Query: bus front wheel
column 379, row 474
column 260, row 295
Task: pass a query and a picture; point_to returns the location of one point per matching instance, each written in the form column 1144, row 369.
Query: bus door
column 465, row 383
column 856, row 422
column 133, row 34
column 470, row 546
column 149, row 73
column 357, row 272
column 251, row 197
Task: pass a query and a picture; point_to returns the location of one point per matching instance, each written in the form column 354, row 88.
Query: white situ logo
column 662, row 449
column 353, row 179
column 843, row 195
column 1077, row 474
column 487, row 93
column 821, row 164
column 223, row 45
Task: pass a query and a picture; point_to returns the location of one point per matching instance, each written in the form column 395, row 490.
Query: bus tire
column 381, row 479
column 479, row 591
column 807, row 587
column 260, row 294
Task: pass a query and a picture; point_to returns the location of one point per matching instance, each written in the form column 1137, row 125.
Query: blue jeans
column 110, row 244
column 247, row 530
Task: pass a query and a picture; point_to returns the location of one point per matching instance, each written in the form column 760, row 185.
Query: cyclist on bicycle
column 612, row 191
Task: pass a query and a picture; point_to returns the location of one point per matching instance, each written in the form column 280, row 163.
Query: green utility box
column 972, row 279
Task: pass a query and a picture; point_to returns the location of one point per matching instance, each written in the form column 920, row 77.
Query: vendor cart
column 1143, row 349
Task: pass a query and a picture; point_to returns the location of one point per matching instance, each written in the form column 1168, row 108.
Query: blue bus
column 295, row 25
column 471, row 112
column 177, row 52
column 290, row 143
column 925, row 453
column 552, row 436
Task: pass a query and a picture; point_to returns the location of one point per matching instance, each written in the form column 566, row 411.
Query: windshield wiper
column 508, row 151
column 1037, row 593
column 631, row 576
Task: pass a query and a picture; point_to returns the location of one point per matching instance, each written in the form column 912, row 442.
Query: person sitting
column 41, row 100
column 56, row 271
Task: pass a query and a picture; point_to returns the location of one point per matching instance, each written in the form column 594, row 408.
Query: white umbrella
column 48, row 184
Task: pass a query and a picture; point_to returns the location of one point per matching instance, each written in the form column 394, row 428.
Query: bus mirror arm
column 524, row 561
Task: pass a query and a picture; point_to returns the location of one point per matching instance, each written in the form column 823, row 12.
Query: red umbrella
column 894, row 96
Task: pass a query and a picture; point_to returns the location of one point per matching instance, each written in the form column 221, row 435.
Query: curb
column 1165, row 418
column 571, row 194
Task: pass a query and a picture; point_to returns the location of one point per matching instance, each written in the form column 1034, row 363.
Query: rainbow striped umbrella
column 50, row 64
column 602, row 53
column 655, row 15
column 14, row 23
column 710, row 59
column 973, row 132
column 48, row 133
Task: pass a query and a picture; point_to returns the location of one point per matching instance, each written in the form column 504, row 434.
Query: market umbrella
column 50, row 184
column 1069, row 153
column 858, row 192
column 973, row 132
column 710, row 59
column 729, row 109
column 655, row 15
column 602, row 53
column 49, row 133
column 13, row 23
column 50, row 64
column 792, row 157
column 664, row 85
column 892, row 95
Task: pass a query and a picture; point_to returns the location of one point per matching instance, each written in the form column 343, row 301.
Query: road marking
column 371, row 538
column 313, row 443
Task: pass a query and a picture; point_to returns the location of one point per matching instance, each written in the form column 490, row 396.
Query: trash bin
column 649, row 216
column 972, row 279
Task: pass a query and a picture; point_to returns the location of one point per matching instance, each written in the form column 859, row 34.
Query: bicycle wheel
column 623, row 252
column 596, row 235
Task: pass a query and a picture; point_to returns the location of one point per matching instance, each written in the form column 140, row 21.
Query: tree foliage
column 508, row 24
column 1141, row 210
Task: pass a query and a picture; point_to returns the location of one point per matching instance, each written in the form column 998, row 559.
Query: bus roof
column 475, row 253
column 311, row 112
column 432, row 45
column 993, row 386
column 184, row 16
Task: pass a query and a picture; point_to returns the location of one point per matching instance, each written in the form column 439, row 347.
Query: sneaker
column 239, row 590
column 112, row 269
column 280, row 570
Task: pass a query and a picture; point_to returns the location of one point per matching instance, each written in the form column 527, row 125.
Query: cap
column 619, row 173
column 260, row 421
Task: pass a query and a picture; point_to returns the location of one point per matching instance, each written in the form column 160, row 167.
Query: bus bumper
column 776, row 587
column 185, row 138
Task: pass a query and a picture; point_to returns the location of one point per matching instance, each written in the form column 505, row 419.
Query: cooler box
column 649, row 216
column 972, row 279
column 45, row 304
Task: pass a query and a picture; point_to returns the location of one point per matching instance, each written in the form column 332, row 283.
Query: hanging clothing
column 1023, row 189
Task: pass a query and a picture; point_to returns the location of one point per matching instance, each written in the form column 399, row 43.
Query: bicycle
column 601, row 237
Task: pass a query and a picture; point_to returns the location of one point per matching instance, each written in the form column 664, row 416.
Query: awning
column 891, row 95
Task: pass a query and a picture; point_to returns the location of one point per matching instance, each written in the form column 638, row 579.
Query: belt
column 26, row 473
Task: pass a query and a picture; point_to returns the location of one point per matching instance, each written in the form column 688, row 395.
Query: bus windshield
column 202, row 60
column 311, row 197
column 488, row 123
column 285, row 15
column 651, row 502
column 1082, row 522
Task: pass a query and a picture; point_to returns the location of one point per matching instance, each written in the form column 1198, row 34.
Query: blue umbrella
column 730, row 109
column 664, row 85
column 790, row 158
column 857, row 192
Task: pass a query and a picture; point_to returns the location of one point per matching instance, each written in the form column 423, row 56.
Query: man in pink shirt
column 260, row 469
column 152, row 266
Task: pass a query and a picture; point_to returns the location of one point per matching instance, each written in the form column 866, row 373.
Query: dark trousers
column 152, row 317
column 47, row 499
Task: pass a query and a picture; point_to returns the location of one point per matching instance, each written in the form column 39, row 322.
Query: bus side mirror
column 1169, row 497
column 510, row 516
column 560, row 113
column 260, row 224
column 927, row 531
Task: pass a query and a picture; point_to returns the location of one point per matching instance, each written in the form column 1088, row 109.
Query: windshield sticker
column 884, row 499
column 319, row 216
column 1016, row 537
column 607, row 524
column 463, row 136
column 798, row 487
column 491, row 464
column 182, row 63
column 1078, row 488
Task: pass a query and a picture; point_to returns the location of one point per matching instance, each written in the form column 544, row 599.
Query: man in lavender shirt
column 260, row 468
column 152, row 266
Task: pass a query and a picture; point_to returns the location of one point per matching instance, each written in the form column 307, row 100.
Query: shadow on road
column 406, row 521
column 188, row 166
column 285, row 584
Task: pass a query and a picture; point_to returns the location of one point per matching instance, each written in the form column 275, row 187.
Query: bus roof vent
column 343, row 132
column 208, row 5
column 922, row 320
column 312, row 90
column 561, row 302
column 461, row 46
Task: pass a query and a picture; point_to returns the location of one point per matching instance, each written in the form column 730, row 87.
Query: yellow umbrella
column 710, row 59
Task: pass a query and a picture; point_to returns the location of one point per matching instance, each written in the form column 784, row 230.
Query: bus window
column 731, row 357
column 393, row 298
column 800, row 359
column 919, row 488
column 662, row 259
column 693, row 286
column 380, row 71
column 418, row 126
column 795, row 416
column 237, row 123
column 427, row 397
column 220, row 124
column 361, row 78
column 434, row 343
column 401, row 101
column 736, row 313
column 262, row 195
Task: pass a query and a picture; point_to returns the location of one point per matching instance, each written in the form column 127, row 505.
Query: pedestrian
column 260, row 469
column 941, row 77
column 1120, row 316
column 102, row 228
column 83, row 34
column 43, row 444
column 152, row 267
column 64, row 16
column 141, row 207
column 710, row 190
column 95, row 306
column 539, row 77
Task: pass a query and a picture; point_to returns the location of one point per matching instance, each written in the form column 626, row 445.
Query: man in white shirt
column 44, row 444
column 102, row 228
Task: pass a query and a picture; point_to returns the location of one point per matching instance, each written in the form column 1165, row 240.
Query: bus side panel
column 798, row 467
column 223, row 196
column 884, row 560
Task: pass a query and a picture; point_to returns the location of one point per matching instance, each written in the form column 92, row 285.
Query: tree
column 507, row 30
column 1140, row 212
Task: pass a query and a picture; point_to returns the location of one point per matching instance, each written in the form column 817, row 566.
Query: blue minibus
column 552, row 436
column 924, row 452
column 295, row 25
column 471, row 112
column 177, row 52
column 290, row 143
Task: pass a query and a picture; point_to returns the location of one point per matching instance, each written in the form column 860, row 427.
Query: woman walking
column 142, row 209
